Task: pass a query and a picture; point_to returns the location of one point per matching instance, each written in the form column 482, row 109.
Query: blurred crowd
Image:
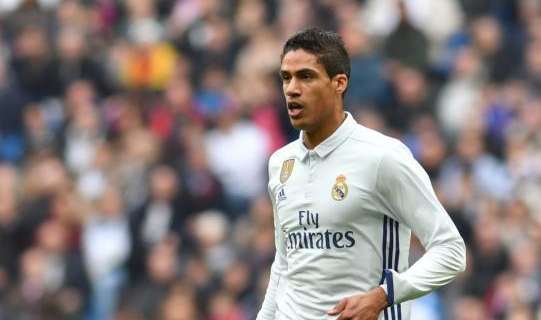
column 134, row 137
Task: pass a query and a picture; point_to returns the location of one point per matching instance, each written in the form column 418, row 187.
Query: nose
column 292, row 88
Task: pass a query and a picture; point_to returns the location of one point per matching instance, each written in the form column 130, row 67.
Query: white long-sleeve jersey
column 343, row 216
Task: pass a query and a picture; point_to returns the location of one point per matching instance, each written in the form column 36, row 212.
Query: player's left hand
column 366, row 306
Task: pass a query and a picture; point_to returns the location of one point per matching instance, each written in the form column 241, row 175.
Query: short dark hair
column 328, row 46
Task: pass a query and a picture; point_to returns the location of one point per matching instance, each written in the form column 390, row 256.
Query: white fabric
column 437, row 19
column 11, row 5
column 106, row 245
column 237, row 157
column 329, row 249
column 157, row 221
column 457, row 104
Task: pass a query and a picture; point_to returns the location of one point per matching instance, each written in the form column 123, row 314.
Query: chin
column 298, row 124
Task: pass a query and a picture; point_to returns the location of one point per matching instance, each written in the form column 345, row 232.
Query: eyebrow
column 300, row 71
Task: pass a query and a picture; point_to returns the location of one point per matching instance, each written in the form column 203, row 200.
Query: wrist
column 381, row 297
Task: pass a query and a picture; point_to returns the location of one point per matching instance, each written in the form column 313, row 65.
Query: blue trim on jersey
column 390, row 289
column 391, row 244
column 384, row 256
column 384, row 248
column 392, row 237
column 397, row 252
column 390, row 227
column 397, row 256
column 390, row 286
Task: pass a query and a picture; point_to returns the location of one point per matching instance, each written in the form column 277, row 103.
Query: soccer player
column 345, row 200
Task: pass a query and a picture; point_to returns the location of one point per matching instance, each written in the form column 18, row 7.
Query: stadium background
column 134, row 137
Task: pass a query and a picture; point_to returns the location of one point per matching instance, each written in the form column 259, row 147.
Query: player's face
column 309, row 92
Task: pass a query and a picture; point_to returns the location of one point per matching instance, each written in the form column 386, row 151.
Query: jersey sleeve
column 405, row 191
column 278, row 268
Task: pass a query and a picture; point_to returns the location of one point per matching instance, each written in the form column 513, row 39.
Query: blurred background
column 134, row 137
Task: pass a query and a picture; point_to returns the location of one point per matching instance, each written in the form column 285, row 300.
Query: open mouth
column 294, row 109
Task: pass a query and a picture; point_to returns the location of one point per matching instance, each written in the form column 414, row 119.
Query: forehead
column 299, row 59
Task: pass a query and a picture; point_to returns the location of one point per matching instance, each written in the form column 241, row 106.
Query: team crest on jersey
column 340, row 188
column 287, row 169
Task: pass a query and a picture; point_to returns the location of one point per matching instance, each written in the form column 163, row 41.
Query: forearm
column 439, row 266
column 405, row 190
column 278, row 269
column 268, row 308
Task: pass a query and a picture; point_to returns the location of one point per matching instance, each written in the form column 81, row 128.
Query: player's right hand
column 366, row 306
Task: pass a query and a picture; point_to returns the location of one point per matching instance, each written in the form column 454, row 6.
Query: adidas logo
column 282, row 195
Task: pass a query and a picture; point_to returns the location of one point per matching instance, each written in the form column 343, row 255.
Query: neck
column 312, row 139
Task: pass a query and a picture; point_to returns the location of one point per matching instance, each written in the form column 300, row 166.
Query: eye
column 306, row 75
column 285, row 77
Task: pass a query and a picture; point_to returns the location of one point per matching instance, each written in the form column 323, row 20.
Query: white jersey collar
column 332, row 142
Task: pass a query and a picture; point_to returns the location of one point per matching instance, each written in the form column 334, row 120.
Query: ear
column 340, row 82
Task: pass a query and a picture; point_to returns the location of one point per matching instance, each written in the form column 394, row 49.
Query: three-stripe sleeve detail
column 384, row 258
column 390, row 261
